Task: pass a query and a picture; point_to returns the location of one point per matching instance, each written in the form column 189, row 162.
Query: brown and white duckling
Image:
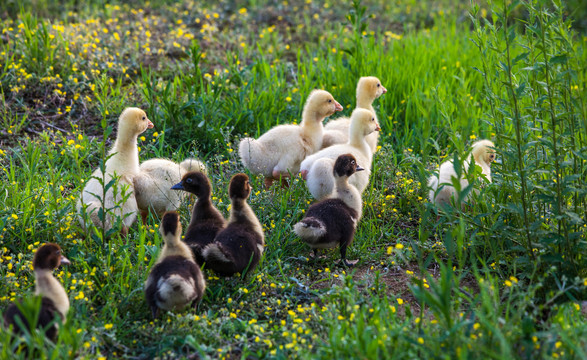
column 153, row 184
column 332, row 222
column 336, row 131
column 237, row 248
column 54, row 300
column 206, row 220
column 176, row 280
column 484, row 154
column 280, row 150
column 317, row 168
column 124, row 163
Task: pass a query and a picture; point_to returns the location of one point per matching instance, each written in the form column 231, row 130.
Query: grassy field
column 504, row 278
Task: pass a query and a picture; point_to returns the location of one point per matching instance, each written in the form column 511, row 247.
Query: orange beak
column 378, row 128
column 337, row 106
column 149, row 124
column 65, row 261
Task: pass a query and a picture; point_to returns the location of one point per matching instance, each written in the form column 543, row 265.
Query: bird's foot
column 348, row 263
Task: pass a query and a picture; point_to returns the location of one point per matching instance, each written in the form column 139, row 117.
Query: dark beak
column 65, row 261
column 359, row 168
column 178, row 186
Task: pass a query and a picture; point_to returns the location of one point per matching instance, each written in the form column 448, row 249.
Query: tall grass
column 536, row 112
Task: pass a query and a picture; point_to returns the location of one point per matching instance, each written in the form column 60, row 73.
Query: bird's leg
column 144, row 215
column 155, row 312
column 343, row 259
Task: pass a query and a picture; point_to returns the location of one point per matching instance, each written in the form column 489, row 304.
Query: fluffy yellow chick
column 153, row 184
column 280, row 150
column 317, row 168
column 336, row 131
column 484, row 154
column 124, row 163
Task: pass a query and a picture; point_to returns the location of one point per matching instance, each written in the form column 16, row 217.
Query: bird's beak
column 149, row 124
column 378, row 128
column 384, row 89
column 178, row 186
column 304, row 174
column 337, row 106
column 359, row 168
column 65, row 261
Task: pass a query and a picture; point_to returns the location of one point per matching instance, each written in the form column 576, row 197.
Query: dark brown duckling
column 237, row 248
column 332, row 222
column 176, row 280
column 54, row 300
column 206, row 220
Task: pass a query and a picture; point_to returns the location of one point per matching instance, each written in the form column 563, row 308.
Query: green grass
column 505, row 278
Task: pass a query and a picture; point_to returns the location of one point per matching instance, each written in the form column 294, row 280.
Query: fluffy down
column 280, row 150
column 175, row 280
column 336, row 131
column 238, row 247
column 318, row 172
column 153, row 184
column 320, row 181
column 206, row 220
column 175, row 292
column 54, row 299
column 216, row 252
column 120, row 198
column 174, row 283
column 332, row 222
column 123, row 165
column 441, row 189
column 310, row 229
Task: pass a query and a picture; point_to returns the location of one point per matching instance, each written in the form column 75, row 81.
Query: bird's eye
column 144, row 118
column 353, row 162
column 372, row 119
column 329, row 100
column 188, row 180
column 378, row 85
